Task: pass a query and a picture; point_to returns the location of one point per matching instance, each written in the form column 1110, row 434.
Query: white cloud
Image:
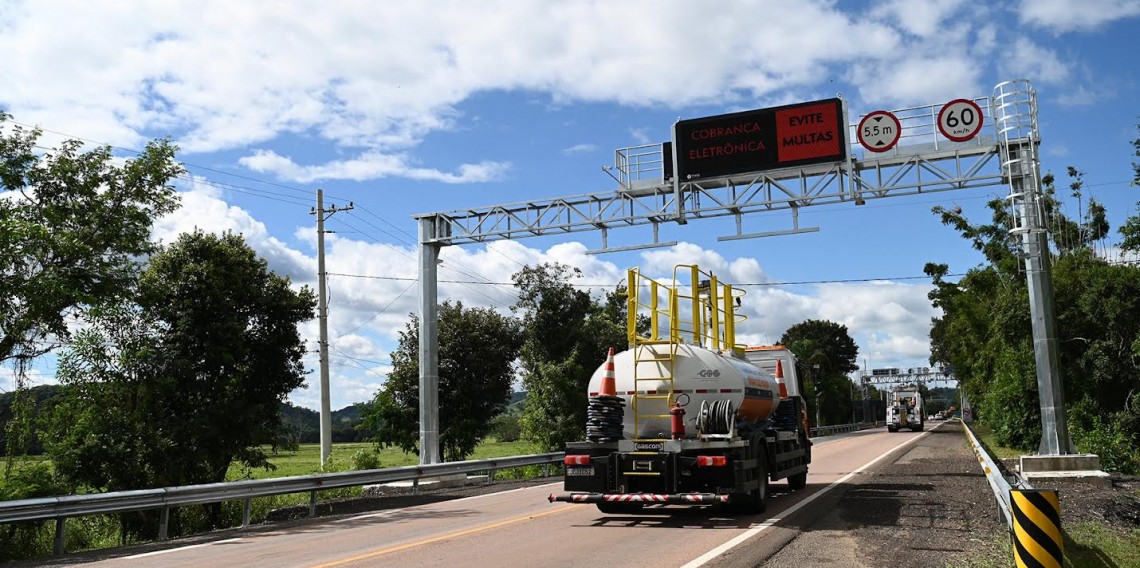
column 368, row 166
column 203, row 209
column 1062, row 16
column 640, row 136
column 919, row 17
column 1029, row 60
column 909, row 80
column 221, row 75
column 1082, row 96
column 580, row 149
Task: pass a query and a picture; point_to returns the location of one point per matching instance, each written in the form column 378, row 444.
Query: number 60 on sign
column 960, row 120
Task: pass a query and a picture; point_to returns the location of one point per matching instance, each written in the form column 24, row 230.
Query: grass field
column 307, row 458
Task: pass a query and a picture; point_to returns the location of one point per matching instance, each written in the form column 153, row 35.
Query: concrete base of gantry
column 1082, row 468
column 425, row 484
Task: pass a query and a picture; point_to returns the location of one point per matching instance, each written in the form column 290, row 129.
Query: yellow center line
column 456, row 534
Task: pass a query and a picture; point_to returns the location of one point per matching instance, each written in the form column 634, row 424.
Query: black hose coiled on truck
column 717, row 417
column 604, row 416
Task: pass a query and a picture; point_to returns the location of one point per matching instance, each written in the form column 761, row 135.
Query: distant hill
column 44, row 396
column 303, row 424
column 517, row 403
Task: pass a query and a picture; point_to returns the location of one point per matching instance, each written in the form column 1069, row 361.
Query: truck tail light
column 576, row 460
column 712, row 461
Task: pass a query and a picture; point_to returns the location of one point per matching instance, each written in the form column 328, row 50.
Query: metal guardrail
column 998, row 482
column 839, row 429
column 60, row 508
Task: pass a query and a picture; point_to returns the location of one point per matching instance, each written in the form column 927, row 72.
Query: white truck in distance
column 905, row 409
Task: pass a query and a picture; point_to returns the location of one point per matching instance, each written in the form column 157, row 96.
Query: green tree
column 1130, row 231
column 826, row 353
column 72, row 224
column 173, row 389
column 566, row 336
column 477, row 350
column 984, row 332
column 70, row 239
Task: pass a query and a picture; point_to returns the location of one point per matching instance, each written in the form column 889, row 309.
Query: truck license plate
column 580, row 471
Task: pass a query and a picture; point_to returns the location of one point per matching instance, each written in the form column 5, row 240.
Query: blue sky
column 406, row 108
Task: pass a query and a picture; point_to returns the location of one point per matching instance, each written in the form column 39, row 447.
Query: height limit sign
column 960, row 120
column 879, row 131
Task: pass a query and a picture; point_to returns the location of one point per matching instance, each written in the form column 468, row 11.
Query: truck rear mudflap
column 673, row 499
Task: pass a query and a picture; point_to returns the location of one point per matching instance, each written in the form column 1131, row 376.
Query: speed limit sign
column 960, row 120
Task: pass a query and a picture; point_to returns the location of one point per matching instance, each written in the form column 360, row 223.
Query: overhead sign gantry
column 784, row 158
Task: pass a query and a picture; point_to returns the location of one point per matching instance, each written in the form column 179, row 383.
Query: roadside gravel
column 928, row 506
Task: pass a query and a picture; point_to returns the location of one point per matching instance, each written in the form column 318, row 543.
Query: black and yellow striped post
column 1037, row 541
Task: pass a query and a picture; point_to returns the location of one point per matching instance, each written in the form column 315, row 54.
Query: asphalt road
column 520, row 528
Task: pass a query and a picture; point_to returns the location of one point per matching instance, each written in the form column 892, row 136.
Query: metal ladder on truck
column 712, row 325
column 654, row 351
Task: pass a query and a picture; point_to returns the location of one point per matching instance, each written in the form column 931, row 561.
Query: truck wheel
column 892, row 428
column 755, row 501
column 759, row 497
column 612, row 508
column 797, row 481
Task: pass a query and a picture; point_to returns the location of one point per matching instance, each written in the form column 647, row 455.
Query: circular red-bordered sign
column 960, row 120
column 879, row 131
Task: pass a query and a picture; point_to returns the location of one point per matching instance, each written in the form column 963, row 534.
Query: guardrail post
column 1036, row 527
column 490, row 476
column 59, row 528
column 245, row 512
column 313, row 503
column 163, row 522
column 546, row 470
column 416, row 486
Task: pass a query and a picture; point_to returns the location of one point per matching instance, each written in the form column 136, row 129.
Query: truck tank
column 698, row 375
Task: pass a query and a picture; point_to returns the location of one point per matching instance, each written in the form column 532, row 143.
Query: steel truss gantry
column 901, row 378
column 923, row 161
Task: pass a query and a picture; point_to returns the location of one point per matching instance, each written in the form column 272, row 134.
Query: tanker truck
column 685, row 415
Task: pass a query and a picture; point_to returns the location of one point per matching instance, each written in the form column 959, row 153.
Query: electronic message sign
column 757, row 140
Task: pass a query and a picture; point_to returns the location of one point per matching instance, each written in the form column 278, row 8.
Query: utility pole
column 323, row 314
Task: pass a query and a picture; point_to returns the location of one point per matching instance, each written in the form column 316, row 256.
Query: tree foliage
column 1130, row 231
column 985, row 331
column 171, row 389
column 826, row 353
column 477, row 350
column 72, row 223
column 567, row 334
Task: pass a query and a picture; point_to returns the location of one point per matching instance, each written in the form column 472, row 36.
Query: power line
column 358, row 359
column 611, row 285
column 380, row 311
column 139, row 152
column 478, row 279
column 409, row 256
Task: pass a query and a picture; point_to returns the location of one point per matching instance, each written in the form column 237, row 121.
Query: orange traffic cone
column 780, row 378
column 609, row 386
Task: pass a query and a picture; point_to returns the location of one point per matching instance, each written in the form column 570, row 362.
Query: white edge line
column 706, row 557
column 461, row 499
column 179, row 549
